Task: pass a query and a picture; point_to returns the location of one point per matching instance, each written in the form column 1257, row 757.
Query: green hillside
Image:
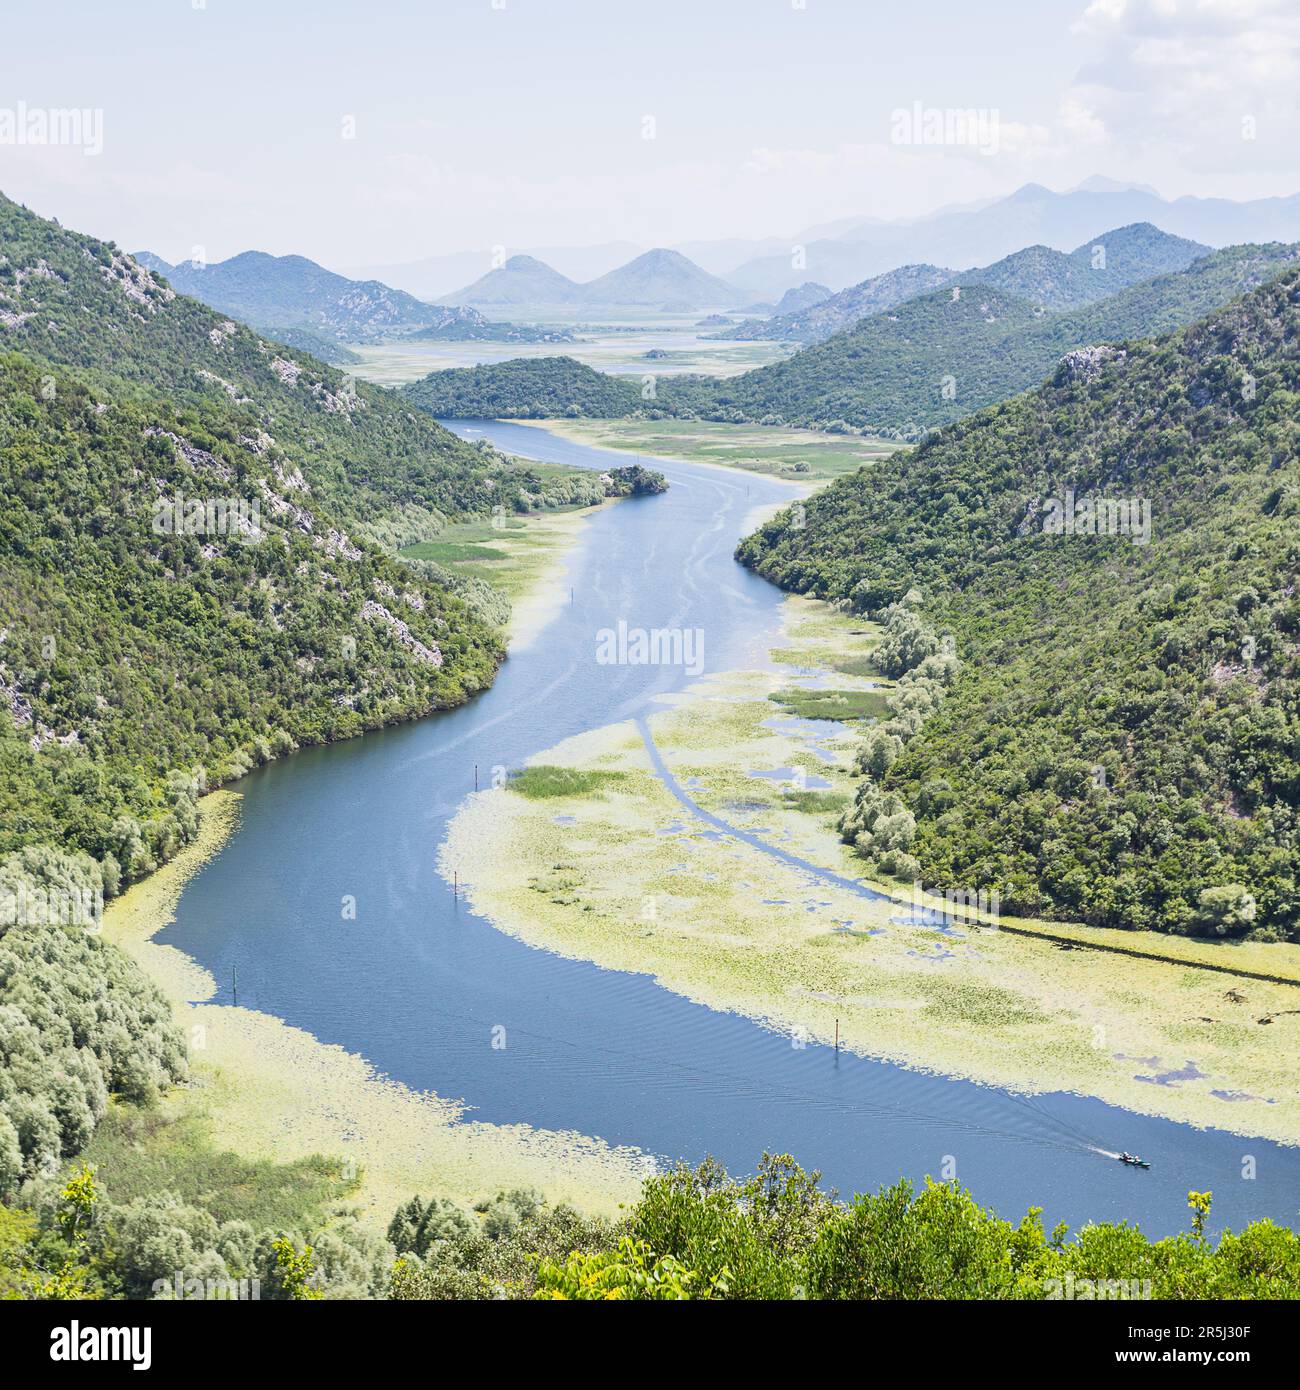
column 1111, row 732
column 87, row 307
column 136, row 661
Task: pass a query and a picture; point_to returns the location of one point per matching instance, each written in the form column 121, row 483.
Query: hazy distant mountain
column 980, row 235
column 298, row 302
column 726, row 253
column 523, row 280
column 436, row 276
column 660, row 278
column 722, row 256
column 820, row 320
column 1098, row 183
column 284, row 292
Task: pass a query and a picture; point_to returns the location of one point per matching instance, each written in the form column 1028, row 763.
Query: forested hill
column 185, row 591
column 1101, row 267
column 85, row 306
column 185, row 587
column 1120, row 742
column 148, row 648
column 525, row 388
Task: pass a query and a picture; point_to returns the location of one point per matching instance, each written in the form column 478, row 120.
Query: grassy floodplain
column 605, row 864
column 617, row 348
column 803, row 455
column 522, row 557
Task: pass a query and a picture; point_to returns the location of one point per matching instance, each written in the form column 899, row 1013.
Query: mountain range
column 314, row 309
column 969, row 236
column 1050, row 279
column 849, row 250
column 920, row 364
column 942, row 355
column 434, row 276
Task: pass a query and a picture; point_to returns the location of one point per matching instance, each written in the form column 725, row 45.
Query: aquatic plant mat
column 621, row 872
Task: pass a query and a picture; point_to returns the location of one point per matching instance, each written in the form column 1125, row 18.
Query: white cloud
column 1177, row 82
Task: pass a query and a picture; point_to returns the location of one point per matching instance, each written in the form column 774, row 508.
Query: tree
column 296, row 1270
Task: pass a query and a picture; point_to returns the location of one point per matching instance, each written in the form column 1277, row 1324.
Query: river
column 417, row 982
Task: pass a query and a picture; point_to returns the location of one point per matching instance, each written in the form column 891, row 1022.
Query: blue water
column 417, row 982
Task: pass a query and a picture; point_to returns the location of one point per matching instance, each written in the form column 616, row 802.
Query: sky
column 384, row 132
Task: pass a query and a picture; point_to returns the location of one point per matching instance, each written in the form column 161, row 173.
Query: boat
column 1133, row 1160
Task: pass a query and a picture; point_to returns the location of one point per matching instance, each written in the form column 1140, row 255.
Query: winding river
column 417, row 982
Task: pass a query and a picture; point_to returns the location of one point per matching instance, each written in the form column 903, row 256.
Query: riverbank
column 270, row 1091
column 623, row 874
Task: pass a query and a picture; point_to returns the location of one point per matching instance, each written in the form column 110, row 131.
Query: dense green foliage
column 702, row 1234
column 91, row 311
column 693, row 1234
column 133, row 658
column 1121, row 741
column 632, row 480
column 78, row 1019
column 308, row 340
column 71, row 1240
